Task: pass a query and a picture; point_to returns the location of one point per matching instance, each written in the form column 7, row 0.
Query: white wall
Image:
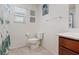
column 52, row 25
column 18, row 30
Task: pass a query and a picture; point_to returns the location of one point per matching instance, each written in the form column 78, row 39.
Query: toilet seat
column 33, row 39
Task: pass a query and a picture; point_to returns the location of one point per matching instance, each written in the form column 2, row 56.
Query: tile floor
column 27, row 51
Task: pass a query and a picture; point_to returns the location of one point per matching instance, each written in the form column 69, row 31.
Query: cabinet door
column 64, row 51
column 70, row 44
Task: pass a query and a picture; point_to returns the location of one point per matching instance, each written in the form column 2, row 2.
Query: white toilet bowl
column 34, row 43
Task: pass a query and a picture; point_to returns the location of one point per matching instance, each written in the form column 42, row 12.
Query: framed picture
column 32, row 19
column 32, row 16
column 32, row 13
column 45, row 9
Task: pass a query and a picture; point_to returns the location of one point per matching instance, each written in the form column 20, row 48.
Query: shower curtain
column 5, row 35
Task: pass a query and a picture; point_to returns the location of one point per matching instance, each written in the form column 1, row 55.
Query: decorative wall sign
column 45, row 9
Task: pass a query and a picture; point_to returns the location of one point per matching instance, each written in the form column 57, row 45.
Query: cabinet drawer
column 70, row 44
column 64, row 51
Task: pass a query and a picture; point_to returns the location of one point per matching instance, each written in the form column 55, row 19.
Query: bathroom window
column 19, row 15
column 19, row 19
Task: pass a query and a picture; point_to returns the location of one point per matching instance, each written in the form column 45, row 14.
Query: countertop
column 71, row 35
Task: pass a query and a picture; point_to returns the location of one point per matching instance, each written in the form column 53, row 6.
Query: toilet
column 34, row 43
column 34, row 40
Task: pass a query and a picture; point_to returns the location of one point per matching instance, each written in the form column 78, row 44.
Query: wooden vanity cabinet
column 68, row 46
